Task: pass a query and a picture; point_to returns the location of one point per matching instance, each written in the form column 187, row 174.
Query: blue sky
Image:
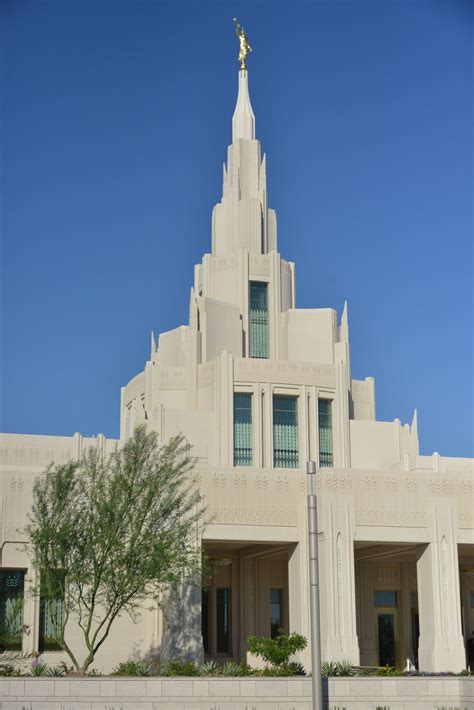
column 116, row 120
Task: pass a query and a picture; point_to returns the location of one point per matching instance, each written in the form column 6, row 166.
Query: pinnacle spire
column 243, row 120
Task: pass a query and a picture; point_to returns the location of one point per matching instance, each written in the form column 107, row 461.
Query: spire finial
column 245, row 47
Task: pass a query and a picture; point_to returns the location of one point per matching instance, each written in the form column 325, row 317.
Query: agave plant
column 295, row 668
column 39, row 669
column 59, row 671
column 343, row 668
column 210, row 668
column 12, row 662
column 231, row 668
column 328, row 668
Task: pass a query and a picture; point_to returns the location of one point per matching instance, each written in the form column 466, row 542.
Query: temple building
column 259, row 387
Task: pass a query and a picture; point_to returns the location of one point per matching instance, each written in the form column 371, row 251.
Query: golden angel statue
column 245, row 47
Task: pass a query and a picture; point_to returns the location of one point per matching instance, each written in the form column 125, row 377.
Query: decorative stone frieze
column 284, row 373
column 251, row 516
column 172, row 378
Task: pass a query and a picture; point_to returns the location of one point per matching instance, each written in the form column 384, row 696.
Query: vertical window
column 258, row 319
column 285, row 432
column 325, row 432
column 51, row 614
column 242, row 429
column 12, row 585
column 223, row 619
column 276, row 611
column 205, row 618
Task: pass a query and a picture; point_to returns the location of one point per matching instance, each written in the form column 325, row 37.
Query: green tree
column 277, row 651
column 106, row 535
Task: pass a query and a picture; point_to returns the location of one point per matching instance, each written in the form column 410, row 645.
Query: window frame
column 250, row 393
column 295, row 395
column 325, row 397
column 261, row 282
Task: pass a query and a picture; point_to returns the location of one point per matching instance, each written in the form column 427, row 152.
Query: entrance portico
column 244, row 592
column 409, row 604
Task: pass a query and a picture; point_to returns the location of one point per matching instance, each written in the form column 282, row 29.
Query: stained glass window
column 242, row 429
column 12, row 584
column 325, row 432
column 258, row 319
column 285, row 432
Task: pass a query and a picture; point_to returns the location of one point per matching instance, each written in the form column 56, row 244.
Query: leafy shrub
column 276, row 651
column 387, row 671
column 210, row 668
column 132, row 668
column 180, row 667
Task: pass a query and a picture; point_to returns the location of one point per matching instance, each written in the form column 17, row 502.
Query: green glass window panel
column 12, row 584
column 242, row 429
column 276, row 615
column 325, row 432
column 258, row 319
column 51, row 615
column 285, row 432
column 472, row 600
column 385, row 598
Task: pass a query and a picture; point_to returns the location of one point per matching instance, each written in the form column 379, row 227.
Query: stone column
column 337, row 574
column 405, row 609
column 441, row 645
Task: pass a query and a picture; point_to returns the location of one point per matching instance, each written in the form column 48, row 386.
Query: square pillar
column 337, row 577
column 441, row 647
column 366, row 628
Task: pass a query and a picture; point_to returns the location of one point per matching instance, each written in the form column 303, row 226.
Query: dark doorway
column 386, row 628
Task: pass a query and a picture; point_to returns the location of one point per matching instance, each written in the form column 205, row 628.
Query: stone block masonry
column 111, row 693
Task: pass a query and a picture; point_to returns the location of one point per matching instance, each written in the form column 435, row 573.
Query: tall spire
column 243, row 120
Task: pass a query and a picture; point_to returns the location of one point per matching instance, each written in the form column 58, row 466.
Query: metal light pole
column 314, row 588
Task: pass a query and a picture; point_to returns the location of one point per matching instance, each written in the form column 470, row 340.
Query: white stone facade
column 396, row 529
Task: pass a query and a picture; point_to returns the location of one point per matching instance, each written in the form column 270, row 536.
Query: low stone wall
column 112, row 693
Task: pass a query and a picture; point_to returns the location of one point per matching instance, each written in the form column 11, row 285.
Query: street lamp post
column 314, row 587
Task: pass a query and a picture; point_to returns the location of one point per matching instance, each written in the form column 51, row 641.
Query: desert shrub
column 133, row 668
column 180, row 667
column 276, row 651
